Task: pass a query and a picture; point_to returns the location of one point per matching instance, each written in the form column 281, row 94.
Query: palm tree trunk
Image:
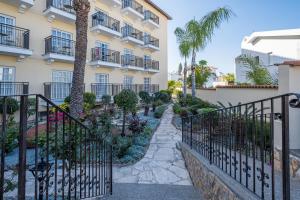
column 193, row 73
column 184, row 79
column 82, row 8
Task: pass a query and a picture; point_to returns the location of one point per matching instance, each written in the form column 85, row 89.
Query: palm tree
column 185, row 51
column 201, row 32
column 82, row 8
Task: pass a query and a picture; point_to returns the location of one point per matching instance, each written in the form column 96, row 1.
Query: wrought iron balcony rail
column 151, row 64
column 58, row 156
column 134, row 5
column 129, row 31
column 100, row 89
column 150, row 15
column 59, row 45
column 13, row 88
column 66, row 6
column 14, row 36
column 131, row 60
column 57, row 90
column 239, row 140
column 106, row 55
column 148, row 39
column 102, row 19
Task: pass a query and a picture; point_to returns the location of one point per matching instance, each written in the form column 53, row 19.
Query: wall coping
column 249, row 87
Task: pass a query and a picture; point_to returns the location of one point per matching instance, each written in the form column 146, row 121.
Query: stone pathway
column 163, row 162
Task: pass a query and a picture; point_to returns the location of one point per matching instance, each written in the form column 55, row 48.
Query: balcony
column 151, row 20
column 58, row 10
column 112, row 3
column 13, row 88
column 105, row 58
column 14, row 41
column 132, row 62
column 133, row 9
column 151, row 43
column 100, row 89
column 59, row 49
column 106, row 25
column 57, row 91
column 151, row 66
column 23, row 5
column 132, row 35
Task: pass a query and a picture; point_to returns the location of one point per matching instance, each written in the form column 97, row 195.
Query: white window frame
column 128, row 82
column 64, row 41
column 10, row 31
column 102, row 87
column 147, row 83
column 60, row 89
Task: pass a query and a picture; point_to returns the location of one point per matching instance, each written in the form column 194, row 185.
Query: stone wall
column 214, row 184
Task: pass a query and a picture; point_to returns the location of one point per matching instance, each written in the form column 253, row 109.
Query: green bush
column 160, row 111
column 68, row 99
column 176, row 108
column 106, row 99
column 89, row 98
column 163, row 95
column 121, row 145
column 141, row 141
column 135, row 151
column 205, row 110
column 11, row 105
column 184, row 113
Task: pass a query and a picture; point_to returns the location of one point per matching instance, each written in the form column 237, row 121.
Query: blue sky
column 251, row 15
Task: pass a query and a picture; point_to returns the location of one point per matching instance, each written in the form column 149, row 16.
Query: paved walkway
column 133, row 191
column 162, row 164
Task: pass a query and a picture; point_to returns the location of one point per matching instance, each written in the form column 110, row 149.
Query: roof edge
column 159, row 9
column 292, row 63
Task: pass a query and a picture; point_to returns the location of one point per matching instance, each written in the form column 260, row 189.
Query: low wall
column 213, row 184
column 236, row 94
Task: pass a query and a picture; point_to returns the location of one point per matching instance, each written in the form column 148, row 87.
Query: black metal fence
column 100, row 89
column 240, row 141
column 106, row 55
column 13, row 88
column 151, row 65
column 14, row 36
column 134, row 5
column 149, row 40
column 65, row 5
column 150, row 15
column 102, row 19
column 48, row 154
column 131, row 60
column 129, row 31
column 59, row 45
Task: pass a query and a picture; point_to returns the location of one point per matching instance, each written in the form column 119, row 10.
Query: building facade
column 127, row 47
column 270, row 48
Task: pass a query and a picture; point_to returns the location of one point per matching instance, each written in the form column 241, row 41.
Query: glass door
column 103, row 51
column 61, row 85
column 7, row 30
column 128, row 82
column 102, row 86
column 62, row 42
column 147, row 83
column 7, row 76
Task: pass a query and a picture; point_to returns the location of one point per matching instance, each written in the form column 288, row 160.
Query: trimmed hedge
column 160, row 111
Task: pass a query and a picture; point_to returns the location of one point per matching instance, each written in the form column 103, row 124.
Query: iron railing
column 102, row 19
column 14, row 36
column 100, row 89
column 59, row 45
column 13, row 88
column 134, row 5
column 129, row 31
column 151, row 64
column 66, row 5
column 131, row 60
column 106, row 55
column 150, row 15
column 240, row 141
column 57, row 91
column 48, row 154
column 149, row 40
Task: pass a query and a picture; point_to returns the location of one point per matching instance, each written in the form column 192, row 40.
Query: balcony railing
column 150, row 15
column 102, row 19
column 129, row 31
column 134, row 61
column 13, row 88
column 57, row 90
column 149, row 40
column 151, row 65
column 105, row 55
column 59, row 45
column 14, row 36
column 134, row 5
column 66, row 5
column 100, row 89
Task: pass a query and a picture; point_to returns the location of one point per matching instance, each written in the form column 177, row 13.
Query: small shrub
column 89, row 98
column 136, row 125
column 205, row 110
column 184, row 113
column 160, row 111
column 68, row 99
column 141, row 141
column 135, row 151
column 121, row 145
column 176, row 108
column 106, row 99
column 147, row 131
column 12, row 105
column 127, row 159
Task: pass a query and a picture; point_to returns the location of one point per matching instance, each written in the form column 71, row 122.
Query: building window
column 103, row 50
column 61, row 3
column 147, row 83
column 7, row 75
column 128, row 82
column 8, row 36
column 147, row 61
column 102, row 86
column 62, row 42
column 61, row 84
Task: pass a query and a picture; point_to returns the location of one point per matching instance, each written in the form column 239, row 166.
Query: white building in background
column 175, row 76
column 270, row 47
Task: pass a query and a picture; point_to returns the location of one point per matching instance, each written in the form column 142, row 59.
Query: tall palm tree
column 201, row 32
column 82, row 8
column 185, row 51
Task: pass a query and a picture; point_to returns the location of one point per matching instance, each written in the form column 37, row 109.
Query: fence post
column 191, row 137
column 210, row 137
column 22, row 148
column 3, row 136
column 285, row 148
column 25, row 88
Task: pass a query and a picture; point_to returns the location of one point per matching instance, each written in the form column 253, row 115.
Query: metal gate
column 48, row 154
